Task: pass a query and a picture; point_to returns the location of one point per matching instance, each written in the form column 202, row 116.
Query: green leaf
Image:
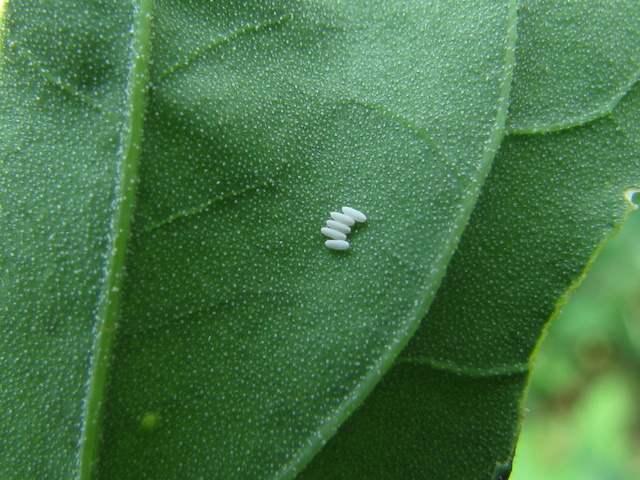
column 73, row 77
column 242, row 342
column 577, row 60
column 276, row 339
column 548, row 205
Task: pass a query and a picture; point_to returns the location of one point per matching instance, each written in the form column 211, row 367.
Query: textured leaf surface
column 242, row 342
column 547, row 206
column 67, row 104
column 262, row 340
column 575, row 65
column 406, row 421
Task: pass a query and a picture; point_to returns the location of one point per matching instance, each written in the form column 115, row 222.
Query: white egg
column 341, row 227
column 357, row 215
column 337, row 244
column 342, row 218
column 331, row 233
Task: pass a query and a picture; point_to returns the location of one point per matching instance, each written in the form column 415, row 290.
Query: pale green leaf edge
column 125, row 189
column 366, row 386
column 559, row 305
column 577, row 282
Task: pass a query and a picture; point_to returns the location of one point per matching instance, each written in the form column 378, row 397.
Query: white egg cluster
column 340, row 225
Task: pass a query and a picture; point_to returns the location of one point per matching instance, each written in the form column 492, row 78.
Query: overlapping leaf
column 548, row 204
column 242, row 343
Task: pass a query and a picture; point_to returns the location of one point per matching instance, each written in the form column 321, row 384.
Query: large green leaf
column 569, row 191
column 548, row 204
column 72, row 81
column 242, row 343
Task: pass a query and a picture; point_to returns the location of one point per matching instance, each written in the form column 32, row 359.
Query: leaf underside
column 548, row 205
column 241, row 342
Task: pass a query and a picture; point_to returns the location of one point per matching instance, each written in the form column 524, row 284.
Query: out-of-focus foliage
column 583, row 418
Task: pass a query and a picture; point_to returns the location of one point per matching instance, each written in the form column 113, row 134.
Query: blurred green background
column 583, row 408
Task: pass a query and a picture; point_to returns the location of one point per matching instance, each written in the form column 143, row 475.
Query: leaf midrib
column 129, row 153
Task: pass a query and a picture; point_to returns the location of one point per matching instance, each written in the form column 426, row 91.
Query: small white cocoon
column 341, row 227
column 357, row 215
column 337, row 244
column 342, row 218
column 331, row 233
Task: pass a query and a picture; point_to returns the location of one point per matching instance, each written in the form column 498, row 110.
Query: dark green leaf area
column 259, row 237
column 239, row 328
column 549, row 203
column 241, row 104
column 575, row 61
column 63, row 85
column 458, row 427
column 81, row 47
column 185, row 31
column 214, row 290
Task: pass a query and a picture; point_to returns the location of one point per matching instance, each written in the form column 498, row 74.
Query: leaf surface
column 262, row 340
column 549, row 203
column 459, row 405
column 577, row 60
column 242, row 342
column 72, row 78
